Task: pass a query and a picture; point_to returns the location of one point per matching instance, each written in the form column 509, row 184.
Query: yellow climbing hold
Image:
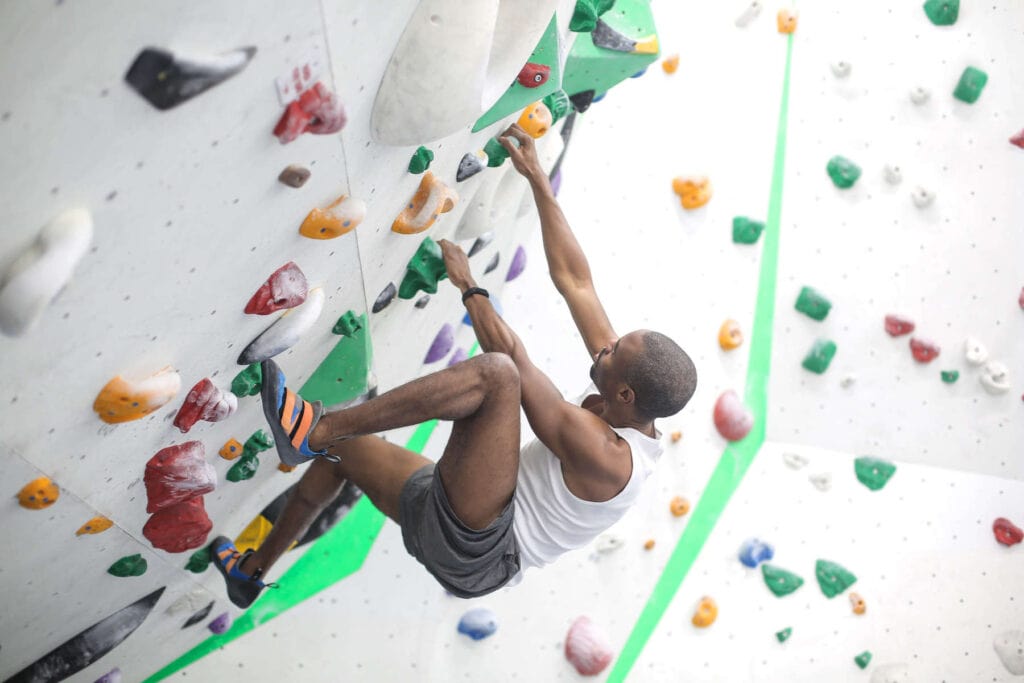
column 670, row 64
column 123, row 400
column 707, row 612
column 231, row 450
column 38, row 494
column 535, row 119
column 96, row 525
column 646, row 46
column 432, row 198
column 693, row 192
column 341, row 217
column 253, row 535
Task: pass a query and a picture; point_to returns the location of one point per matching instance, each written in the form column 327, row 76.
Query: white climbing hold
column 750, row 12
column 848, row 380
column 1009, row 645
column 795, row 460
column 920, row 95
column 40, row 272
column 822, row 481
column 609, row 543
column 286, row 331
column 189, row 602
column 995, row 377
column 893, row 174
column 974, row 351
column 922, row 197
column 891, row 673
column 841, row 69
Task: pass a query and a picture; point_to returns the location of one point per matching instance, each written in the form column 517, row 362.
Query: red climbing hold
column 1020, row 299
column 587, row 648
column 179, row 527
column 534, row 75
column 205, row 402
column 897, row 325
column 1007, row 532
column 176, row 474
column 924, row 351
column 733, row 420
column 285, row 288
column 317, row 111
column 1018, row 139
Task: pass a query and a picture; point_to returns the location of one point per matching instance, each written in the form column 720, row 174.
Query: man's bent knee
column 498, row 370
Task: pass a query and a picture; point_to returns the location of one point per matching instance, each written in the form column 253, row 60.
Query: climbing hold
column 585, row 14
column 857, row 604
column 424, row 270
column 1009, row 646
column 441, row 345
column 496, row 153
column 848, row 380
column 533, row 75
column 581, row 101
column 649, row 544
column 751, row 12
column 470, row 165
column 221, row 624
column 942, row 12
column 457, row 357
column 922, row 198
column 286, row 331
column 755, row 551
column 783, row 635
column 1018, row 139
column 670, row 64
column 166, row 80
column 873, row 472
column 340, row 217
column 478, row 623
column 679, row 506
column 480, row 243
column 493, row 263
column 515, row 269
column 205, row 402
column 122, row 400
column 820, row 356
column 733, row 420
column 1007, row 532
column 786, row 20
column 1020, row 298
column 96, row 525
column 420, row 160
column 971, row 83
column 995, row 377
column 386, row 296
column 949, row 376
column 919, row 95
column 841, row 69
column 923, row 350
column 893, row 174
column 257, row 443
column 794, row 461
column 975, row 351
column 606, row 37
column 281, row 467
column 822, row 481
column 199, row 561
column 130, row 565
column 422, row 301
column 199, row 615
column 317, row 111
column 746, row 230
column 245, row 468
column 38, row 494
column 112, row 676
column 558, row 104
column 42, row 270
column 294, row 175
column 897, row 325
column 706, row 613
column 843, row 172
column 833, row 578
column 812, row 303
column 535, row 120
column 587, row 647
column 863, row 659
column 431, row 199
column 676, row 437
column 608, row 543
column 285, row 288
column 779, row 581
column 248, row 382
column 348, row 324
column 693, row 192
column 180, row 527
column 176, row 474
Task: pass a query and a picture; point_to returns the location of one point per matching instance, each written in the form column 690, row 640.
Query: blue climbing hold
column 640, row 73
column 755, row 551
column 478, row 623
column 497, row 309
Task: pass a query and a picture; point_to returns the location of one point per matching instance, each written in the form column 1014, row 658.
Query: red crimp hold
column 179, row 527
column 317, row 111
column 1018, row 139
column 733, row 420
column 534, row 75
column 205, row 402
column 1020, row 299
column 176, row 474
column 285, row 288
column 924, row 351
column 897, row 325
column 1007, row 532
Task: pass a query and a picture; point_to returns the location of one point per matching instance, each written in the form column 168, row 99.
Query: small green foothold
column 873, row 472
column 972, row 82
column 784, row 634
column 558, row 104
column 863, row 659
column 833, row 578
column 248, row 382
column 131, row 565
column 746, row 230
column 950, row 376
column 257, row 443
column 496, row 153
column 244, row 468
column 844, row 173
column 421, row 159
column 347, row 325
column 820, row 356
column 425, row 270
column 780, row 581
column 199, row 561
column 942, row 12
column 813, row 303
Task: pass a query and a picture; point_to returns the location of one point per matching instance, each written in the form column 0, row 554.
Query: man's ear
column 626, row 394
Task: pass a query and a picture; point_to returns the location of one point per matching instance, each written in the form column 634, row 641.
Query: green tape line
column 737, row 456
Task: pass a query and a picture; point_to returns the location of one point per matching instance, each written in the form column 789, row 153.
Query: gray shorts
column 467, row 563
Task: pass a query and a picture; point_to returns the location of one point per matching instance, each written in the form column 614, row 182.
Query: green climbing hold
column 972, row 82
column 132, row 565
column 833, row 578
column 347, row 325
column 863, row 659
column 813, row 303
column 199, row 561
column 950, row 376
column 820, row 356
column 244, row 468
column 248, row 381
column 496, row 153
column 421, row 159
column 942, row 12
column 844, row 173
column 425, row 270
column 780, row 581
column 257, row 443
column 873, row 472
column 784, row 634
column 558, row 104
column 746, row 230
column 586, row 13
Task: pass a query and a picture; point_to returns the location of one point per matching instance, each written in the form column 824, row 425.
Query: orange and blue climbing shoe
column 291, row 418
column 243, row 589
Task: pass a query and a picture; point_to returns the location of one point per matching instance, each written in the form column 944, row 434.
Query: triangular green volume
column 780, row 581
column 833, row 578
column 872, row 472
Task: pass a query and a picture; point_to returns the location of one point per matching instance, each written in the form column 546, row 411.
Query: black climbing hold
column 481, row 242
column 470, row 165
column 199, row 616
column 423, row 301
column 385, row 298
column 581, row 101
column 493, row 264
column 166, row 80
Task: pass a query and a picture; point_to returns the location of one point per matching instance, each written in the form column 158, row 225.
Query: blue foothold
column 640, row 73
column 497, row 308
column 478, row 623
column 754, row 551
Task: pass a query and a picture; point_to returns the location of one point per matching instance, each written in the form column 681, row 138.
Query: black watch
column 474, row 290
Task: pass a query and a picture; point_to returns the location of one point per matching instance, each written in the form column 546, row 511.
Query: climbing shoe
column 243, row 589
column 291, row 418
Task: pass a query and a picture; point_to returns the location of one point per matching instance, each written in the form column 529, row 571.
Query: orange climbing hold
column 535, row 119
column 341, row 217
column 96, row 525
column 787, row 20
column 676, row 437
column 679, row 506
column 649, row 544
column 707, row 612
column 38, row 494
column 693, row 192
column 670, row 64
column 123, row 400
column 857, row 604
column 729, row 335
column 432, row 198
column 231, row 449
column 285, row 468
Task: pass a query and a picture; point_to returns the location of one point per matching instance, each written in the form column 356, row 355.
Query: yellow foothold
column 676, row 437
column 432, row 198
column 729, row 335
column 707, row 612
column 285, row 468
column 95, row 525
column 670, row 64
column 535, row 119
column 38, row 494
column 646, row 46
column 693, row 192
column 253, row 535
column 679, row 506
column 231, row 450
column 123, row 400
column 341, row 217
column 857, row 604
column 649, row 544
column 787, row 20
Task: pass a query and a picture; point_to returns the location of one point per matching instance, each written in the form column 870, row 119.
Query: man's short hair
column 662, row 377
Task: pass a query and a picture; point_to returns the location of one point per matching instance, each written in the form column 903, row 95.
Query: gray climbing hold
column 922, row 197
column 841, row 69
column 751, row 12
column 385, row 298
column 822, row 481
column 919, row 95
column 423, row 301
column 493, row 263
column 1009, row 645
column 893, row 174
column 470, row 165
column 610, row 39
column 481, row 242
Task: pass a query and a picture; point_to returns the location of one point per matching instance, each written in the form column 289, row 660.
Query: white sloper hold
column 891, row 673
column 922, row 198
column 794, row 460
column 1009, row 645
column 841, row 69
column 974, row 351
column 995, row 377
column 822, row 481
column 893, row 174
column 848, row 380
column 920, row 95
column 286, row 330
column 42, row 270
column 608, row 543
column 750, row 12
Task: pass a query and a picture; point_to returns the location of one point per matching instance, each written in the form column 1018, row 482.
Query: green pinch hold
column 199, row 560
column 257, row 443
column 425, row 270
column 496, row 153
column 942, row 12
column 833, row 578
column 873, row 472
column 131, row 565
column 421, row 159
column 248, row 382
column 813, row 303
column 746, row 230
column 558, row 104
column 348, row 324
column 971, row 83
column 950, row 376
column 843, row 172
column 244, row 468
column 820, row 356
column 863, row 659
column 779, row 581
column 783, row 635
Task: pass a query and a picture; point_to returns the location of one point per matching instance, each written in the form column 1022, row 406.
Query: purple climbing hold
column 221, row 624
column 755, row 551
column 112, row 676
column 478, row 623
column 457, row 357
column 518, row 264
column 443, row 343
column 556, row 181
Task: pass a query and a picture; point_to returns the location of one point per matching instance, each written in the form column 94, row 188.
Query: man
column 485, row 512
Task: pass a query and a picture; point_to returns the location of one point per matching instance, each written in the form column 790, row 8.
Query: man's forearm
column 567, row 263
column 491, row 331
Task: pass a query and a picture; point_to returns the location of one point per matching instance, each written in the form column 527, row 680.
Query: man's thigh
column 379, row 468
